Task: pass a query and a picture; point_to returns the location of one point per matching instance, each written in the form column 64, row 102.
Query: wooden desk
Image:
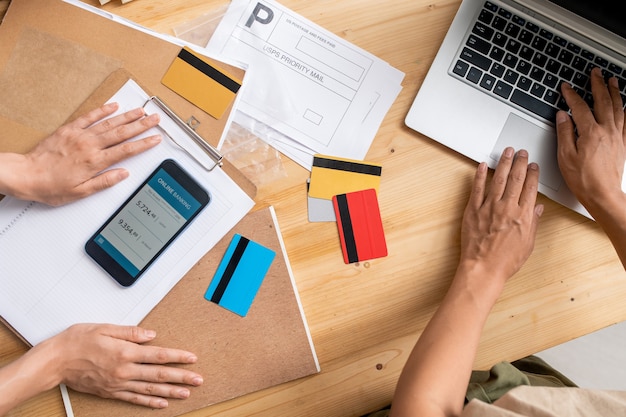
column 365, row 318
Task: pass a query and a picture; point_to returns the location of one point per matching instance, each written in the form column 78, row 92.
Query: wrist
column 481, row 280
column 44, row 364
column 13, row 175
column 608, row 209
column 26, row 377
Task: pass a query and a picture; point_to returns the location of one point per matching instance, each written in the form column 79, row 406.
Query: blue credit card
column 239, row 275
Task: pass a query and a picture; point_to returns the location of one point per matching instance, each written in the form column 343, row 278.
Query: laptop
column 495, row 79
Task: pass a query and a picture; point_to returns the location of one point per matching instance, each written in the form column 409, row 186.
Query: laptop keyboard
column 517, row 60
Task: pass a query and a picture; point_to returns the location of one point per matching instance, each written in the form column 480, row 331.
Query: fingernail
column 122, row 174
column 113, row 105
column 155, row 139
column 192, row 359
column 561, row 117
column 539, row 210
column 183, row 393
column 508, row 152
column 613, row 82
column 482, row 167
column 533, row 166
column 197, row 381
column 162, row 404
column 523, row 153
column 150, row 334
column 153, row 118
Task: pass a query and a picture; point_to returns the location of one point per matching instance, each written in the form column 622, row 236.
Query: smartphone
column 147, row 223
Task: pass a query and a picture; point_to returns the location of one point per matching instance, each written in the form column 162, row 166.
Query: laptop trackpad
column 540, row 144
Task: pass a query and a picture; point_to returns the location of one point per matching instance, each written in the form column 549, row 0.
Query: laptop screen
column 601, row 12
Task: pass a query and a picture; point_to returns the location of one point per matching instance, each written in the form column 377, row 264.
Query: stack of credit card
column 345, row 191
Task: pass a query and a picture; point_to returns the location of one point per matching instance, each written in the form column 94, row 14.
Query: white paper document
column 314, row 91
column 48, row 281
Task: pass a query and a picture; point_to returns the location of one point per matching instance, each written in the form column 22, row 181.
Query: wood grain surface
column 365, row 318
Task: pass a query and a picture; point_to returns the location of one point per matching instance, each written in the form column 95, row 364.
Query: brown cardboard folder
column 236, row 355
column 56, row 58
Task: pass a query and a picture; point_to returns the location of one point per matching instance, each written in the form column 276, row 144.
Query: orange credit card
column 202, row 83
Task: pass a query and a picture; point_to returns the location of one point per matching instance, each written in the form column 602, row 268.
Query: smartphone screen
column 152, row 217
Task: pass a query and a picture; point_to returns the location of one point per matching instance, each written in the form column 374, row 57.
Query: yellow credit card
column 202, row 83
column 332, row 176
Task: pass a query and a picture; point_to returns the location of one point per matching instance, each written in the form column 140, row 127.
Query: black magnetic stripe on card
column 209, row 71
column 347, row 166
column 230, row 270
column 346, row 226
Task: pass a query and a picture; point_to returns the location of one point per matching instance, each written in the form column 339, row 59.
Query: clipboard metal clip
column 189, row 129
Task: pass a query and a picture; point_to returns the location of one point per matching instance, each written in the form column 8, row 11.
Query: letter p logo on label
column 259, row 9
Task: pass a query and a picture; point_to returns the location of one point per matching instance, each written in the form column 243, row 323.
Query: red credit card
column 360, row 226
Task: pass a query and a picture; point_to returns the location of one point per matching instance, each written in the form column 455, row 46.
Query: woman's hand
column 500, row 223
column 103, row 359
column 71, row 163
column 592, row 145
column 112, row 362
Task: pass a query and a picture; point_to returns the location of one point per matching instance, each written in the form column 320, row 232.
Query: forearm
column 26, row 377
column 435, row 377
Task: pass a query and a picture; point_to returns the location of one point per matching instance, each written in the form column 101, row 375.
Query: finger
column 116, row 121
column 125, row 150
column 117, row 134
column 581, row 113
column 567, row 149
column 133, row 334
column 93, row 116
column 500, row 176
column 158, row 390
column 160, row 355
column 140, row 399
column 160, row 374
column 622, row 118
column 618, row 105
column 602, row 101
column 477, row 195
column 565, row 134
column 517, row 176
column 153, row 389
column 528, row 195
column 100, row 182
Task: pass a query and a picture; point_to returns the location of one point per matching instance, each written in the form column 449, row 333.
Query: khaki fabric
column 528, row 401
column 490, row 385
